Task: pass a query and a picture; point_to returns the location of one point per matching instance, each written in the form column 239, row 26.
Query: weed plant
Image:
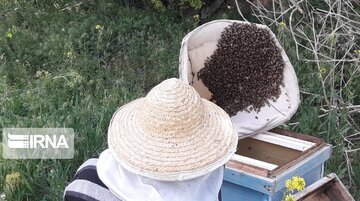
column 322, row 40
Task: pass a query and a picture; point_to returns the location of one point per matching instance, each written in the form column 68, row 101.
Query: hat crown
column 172, row 107
column 172, row 134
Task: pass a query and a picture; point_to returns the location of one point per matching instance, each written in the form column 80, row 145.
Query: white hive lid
column 201, row 43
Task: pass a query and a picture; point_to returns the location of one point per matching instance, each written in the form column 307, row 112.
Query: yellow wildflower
column 357, row 52
column 9, row 34
column 299, row 183
column 296, row 183
column 99, row 27
column 282, row 25
column 11, row 31
column 196, row 18
column 323, row 70
column 13, row 179
column 289, row 185
column 69, row 55
column 289, row 197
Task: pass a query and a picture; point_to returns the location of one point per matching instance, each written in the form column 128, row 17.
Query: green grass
column 106, row 68
column 58, row 70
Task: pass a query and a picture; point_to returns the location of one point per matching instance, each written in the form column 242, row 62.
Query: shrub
column 322, row 40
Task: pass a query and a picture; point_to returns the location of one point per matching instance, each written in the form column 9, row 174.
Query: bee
column 245, row 71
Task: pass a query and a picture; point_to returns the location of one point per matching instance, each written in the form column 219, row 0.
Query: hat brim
column 171, row 158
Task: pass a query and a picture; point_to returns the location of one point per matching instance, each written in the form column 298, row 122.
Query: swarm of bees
column 246, row 70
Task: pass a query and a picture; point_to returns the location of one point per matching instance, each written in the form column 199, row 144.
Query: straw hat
column 171, row 134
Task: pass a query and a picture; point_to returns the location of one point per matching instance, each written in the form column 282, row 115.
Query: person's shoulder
column 87, row 186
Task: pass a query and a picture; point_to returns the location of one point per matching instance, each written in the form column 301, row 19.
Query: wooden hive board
column 328, row 188
column 270, row 153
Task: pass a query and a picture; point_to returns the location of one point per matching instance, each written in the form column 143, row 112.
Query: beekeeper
column 168, row 146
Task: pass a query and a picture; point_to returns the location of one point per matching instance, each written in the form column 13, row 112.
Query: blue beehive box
column 263, row 163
